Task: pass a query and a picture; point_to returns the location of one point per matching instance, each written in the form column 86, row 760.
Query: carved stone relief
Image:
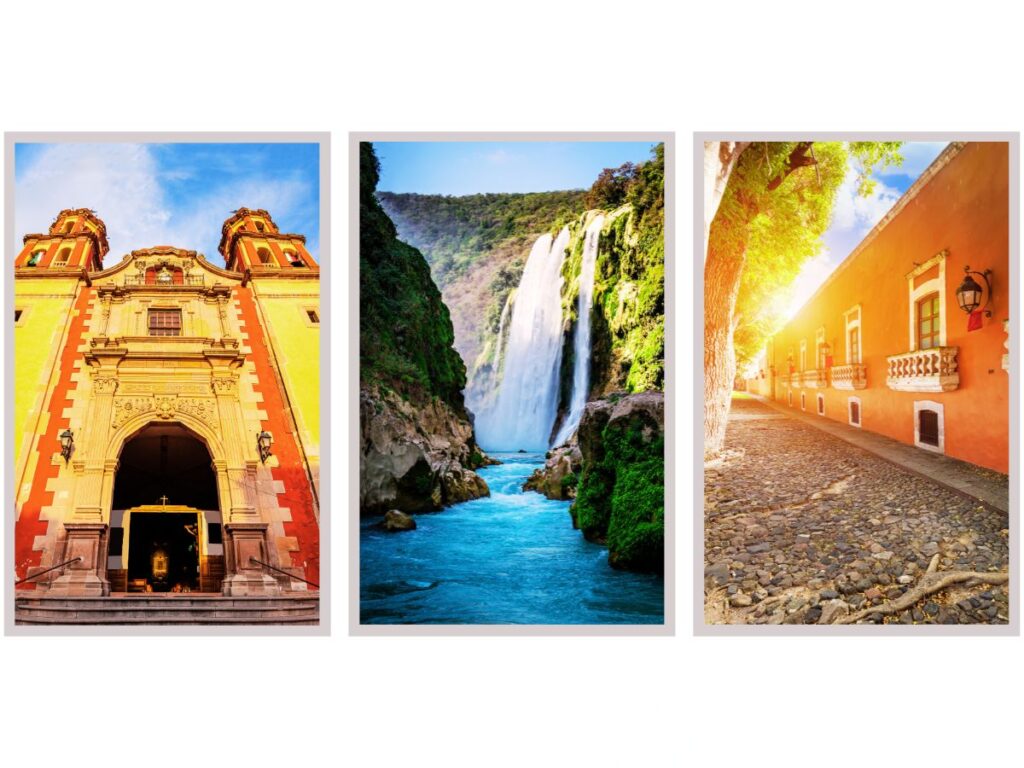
column 164, row 407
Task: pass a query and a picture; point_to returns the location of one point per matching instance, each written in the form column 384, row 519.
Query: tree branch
column 802, row 155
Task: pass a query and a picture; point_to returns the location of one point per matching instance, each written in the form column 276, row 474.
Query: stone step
column 201, row 603
column 168, row 609
column 194, row 620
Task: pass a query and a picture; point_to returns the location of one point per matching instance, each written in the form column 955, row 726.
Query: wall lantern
column 263, row 442
column 67, row 444
column 969, row 294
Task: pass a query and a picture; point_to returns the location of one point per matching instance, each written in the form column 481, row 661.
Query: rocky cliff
column 417, row 446
column 477, row 246
column 620, row 498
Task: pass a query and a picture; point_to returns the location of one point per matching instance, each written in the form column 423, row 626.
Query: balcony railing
column 794, row 379
column 852, row 376
column 140, row 281
column 815, row 379
column 925, row 370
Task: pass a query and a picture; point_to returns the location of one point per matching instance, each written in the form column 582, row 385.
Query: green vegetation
column 775, row 206
column 456, row 232
column 628, row 320
column 621, row 495
column 405, row 331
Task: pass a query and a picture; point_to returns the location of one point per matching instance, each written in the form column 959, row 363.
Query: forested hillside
column 476, row 247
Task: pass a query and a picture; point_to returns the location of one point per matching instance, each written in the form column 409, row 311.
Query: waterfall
column 581, row 342
column 527, row 400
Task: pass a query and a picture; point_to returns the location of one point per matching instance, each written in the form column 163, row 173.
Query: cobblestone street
column 801, row 527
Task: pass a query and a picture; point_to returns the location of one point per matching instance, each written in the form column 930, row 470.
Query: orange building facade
column 166, row 433
column 884, row 344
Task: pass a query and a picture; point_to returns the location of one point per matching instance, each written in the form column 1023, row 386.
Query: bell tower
column 77, row 240
column 251, row 240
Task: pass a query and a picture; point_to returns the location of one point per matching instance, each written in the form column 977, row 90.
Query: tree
column 774, row 206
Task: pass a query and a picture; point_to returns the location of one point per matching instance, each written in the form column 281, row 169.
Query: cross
column 164, row 499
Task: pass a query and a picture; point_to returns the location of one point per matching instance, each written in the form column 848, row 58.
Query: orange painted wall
column 964, row 209
column 297, row 495
column 29, row 523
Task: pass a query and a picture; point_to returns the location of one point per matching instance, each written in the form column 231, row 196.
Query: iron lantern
column 263, row 442
column 67, row 444
column 969, row 295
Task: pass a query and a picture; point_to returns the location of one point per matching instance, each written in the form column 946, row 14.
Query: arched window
column 62, row 257
column 259, row 225
column 33, row 260
column 68, row 226
column 264, row 254
column 293, row 259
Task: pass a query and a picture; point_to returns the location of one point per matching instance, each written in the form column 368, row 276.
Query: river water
column 511, row 558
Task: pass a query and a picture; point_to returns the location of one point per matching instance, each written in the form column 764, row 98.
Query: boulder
column 620, row 498
column 396, row 521
column 415, row 457
column 558, row 478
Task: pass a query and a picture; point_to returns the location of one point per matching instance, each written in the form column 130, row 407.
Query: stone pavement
column 802, row 525
column 982, row 484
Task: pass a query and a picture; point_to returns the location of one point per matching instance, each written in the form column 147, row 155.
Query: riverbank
column 510, row 558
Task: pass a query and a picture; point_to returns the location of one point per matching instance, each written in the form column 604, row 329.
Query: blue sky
column 854, row 216
column 168, row 194
column 469, row 167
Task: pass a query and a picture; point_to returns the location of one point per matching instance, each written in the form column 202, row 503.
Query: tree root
column 933, row 581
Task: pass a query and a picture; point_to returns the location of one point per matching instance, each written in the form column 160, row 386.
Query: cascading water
column 527, row 400
column 581, row 342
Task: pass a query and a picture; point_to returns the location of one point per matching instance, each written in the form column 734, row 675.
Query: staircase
column 189, row 608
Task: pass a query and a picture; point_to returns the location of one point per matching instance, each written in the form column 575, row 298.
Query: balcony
column 853, row 376
column 794, row 379
column 139, row 281
column 926, row 370
column 815, row 379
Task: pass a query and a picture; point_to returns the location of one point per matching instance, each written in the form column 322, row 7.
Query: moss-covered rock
column 620, row 500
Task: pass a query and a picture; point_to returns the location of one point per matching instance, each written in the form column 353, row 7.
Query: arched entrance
column 165, row 521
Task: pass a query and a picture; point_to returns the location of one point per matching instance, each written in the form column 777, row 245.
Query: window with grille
column 928, row 321
column 165, row 322
column 854, row 412
column 821, row 405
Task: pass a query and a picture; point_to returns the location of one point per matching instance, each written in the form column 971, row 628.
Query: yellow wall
column 46, row 306
column 296, row 346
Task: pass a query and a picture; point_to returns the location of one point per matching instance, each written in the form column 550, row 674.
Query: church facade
column 166, row 415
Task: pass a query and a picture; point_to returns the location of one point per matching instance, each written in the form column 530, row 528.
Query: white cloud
column 118, row 181
column 122, row 183
column 854, row 213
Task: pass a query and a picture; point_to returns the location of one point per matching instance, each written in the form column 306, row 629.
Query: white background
column 505, row 701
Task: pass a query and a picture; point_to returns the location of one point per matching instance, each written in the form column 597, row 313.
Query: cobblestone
column 798, row 514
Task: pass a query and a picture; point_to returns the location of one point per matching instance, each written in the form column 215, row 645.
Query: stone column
column 245, row 534
column 87, row 529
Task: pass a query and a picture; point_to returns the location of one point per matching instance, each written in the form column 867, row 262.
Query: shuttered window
column 165, row 322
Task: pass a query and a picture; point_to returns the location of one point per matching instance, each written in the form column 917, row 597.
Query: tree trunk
column 722, row 272
column 719, row 159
